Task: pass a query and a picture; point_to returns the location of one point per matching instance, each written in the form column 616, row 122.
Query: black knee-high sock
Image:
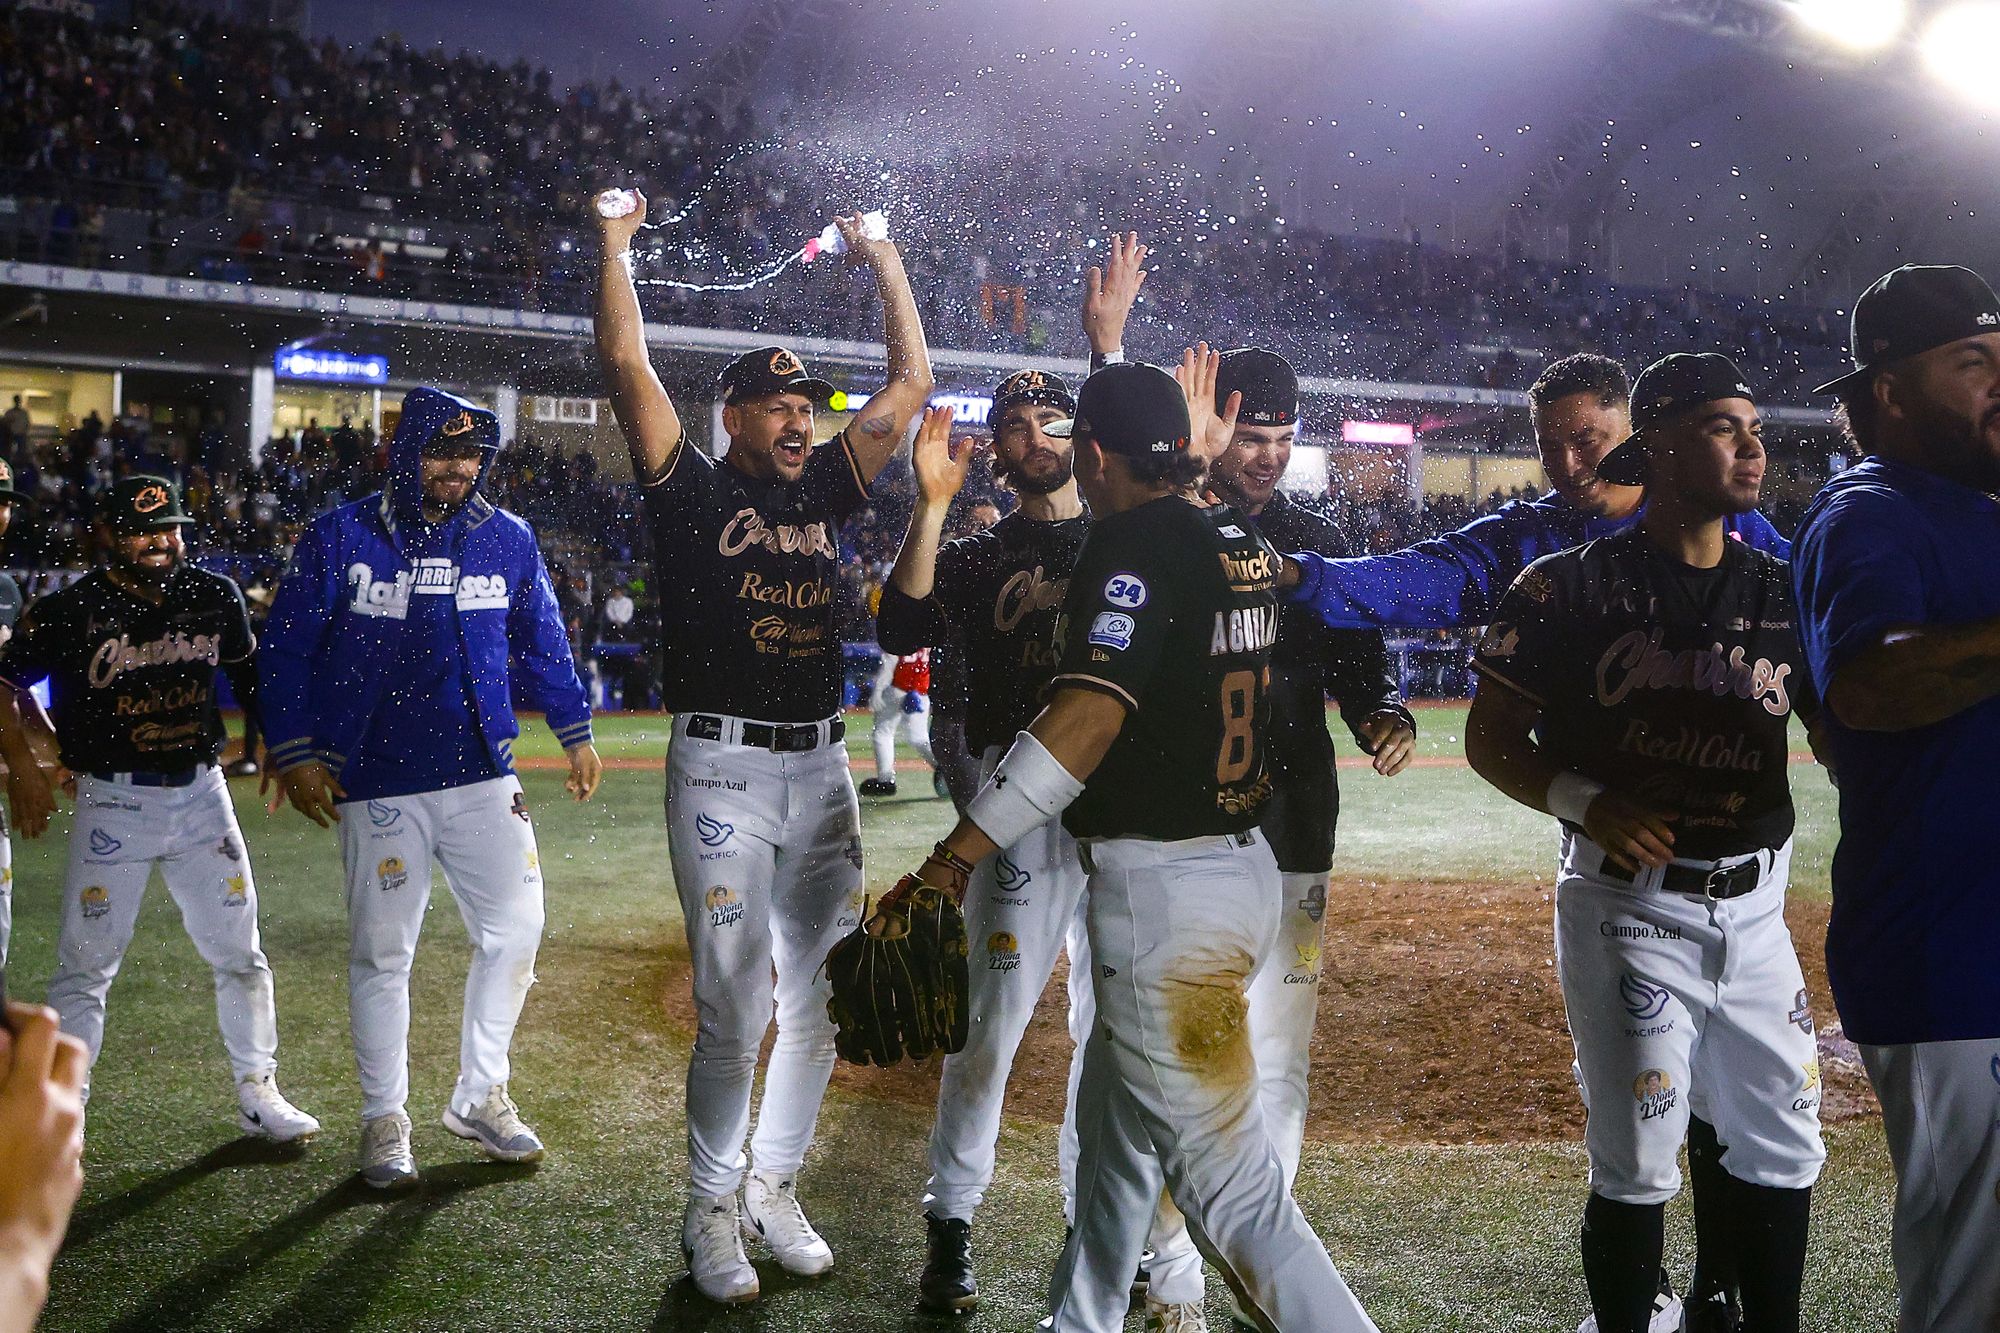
column 1771, row 1227
column 1715, row 1244
column 1622, row 1244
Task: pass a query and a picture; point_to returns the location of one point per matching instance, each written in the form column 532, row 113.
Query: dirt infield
column 1440, row 1020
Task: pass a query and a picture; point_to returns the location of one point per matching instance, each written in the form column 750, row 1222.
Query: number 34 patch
column 1126, row 591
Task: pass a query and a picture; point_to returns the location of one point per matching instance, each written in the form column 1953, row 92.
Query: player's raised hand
column 1634, row 834
column 861, row 247
column 1110, row 292
column 941, row 468
column 1212, row 425
column 313, row 792
column 586, row 770
column 1389, row 736
column 617, row 233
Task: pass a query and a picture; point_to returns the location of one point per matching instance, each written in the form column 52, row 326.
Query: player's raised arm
column 941, row 472
column 640, row 402
column 1109, row 293
column 879, row 425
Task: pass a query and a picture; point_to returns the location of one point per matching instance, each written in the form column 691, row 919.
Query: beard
column 1054, row 479
column 139, row 572
column 1962, row 439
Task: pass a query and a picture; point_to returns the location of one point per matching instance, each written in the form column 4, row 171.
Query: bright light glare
column 1864, row 25
column 1958, row 47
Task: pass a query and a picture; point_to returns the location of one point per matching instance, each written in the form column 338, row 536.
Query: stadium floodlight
column 1860, row 25
column 1958, row 48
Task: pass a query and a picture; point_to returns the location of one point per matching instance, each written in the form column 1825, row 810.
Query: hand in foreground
column 941, row 469
column 617, row 233
column 861, row 248
column 1391, row 739
column 586, row 770
column 312, row 790
column 1212, row 425
column 41, row 1150
column 1109, row 292
column 1632, row 833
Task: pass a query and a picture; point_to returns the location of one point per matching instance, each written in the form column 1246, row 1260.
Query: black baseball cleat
column 947, row 1285
column 1717, row 1314
column 878, row 787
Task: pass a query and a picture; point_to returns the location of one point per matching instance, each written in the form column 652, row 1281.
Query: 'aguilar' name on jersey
column 747, row 570
column 133, row 681
column 999, row 593
column 1171, row 611
column 1669, row 684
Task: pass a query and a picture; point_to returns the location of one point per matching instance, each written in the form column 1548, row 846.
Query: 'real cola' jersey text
column 999, row 593
column 1671, row 685
column 132, row 680
column 747, row 571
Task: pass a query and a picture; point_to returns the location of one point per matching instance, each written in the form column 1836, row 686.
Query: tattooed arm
column 880, row 424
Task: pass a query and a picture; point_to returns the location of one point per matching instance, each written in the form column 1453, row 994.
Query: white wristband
column 1030, row 788
column 1570, row 795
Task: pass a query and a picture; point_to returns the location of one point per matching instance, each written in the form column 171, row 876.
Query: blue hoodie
column 381, row 610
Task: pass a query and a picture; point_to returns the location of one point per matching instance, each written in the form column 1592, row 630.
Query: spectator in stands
column 14, row 426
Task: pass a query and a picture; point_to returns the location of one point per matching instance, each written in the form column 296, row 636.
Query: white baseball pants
column 888, row 710
column 1672, row 997
column 1177, row 930
column 1021, row 907
column 1284, row 1001
column 123, row 831
column 481, row 837
column 766, row 851
column 1941, row 1112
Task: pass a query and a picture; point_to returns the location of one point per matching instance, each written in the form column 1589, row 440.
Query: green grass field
column 184, row 1226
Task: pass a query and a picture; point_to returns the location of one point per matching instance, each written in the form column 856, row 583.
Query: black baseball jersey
column 999, row 593
column 1665, row 683
column 1309, row 662
column 1171, row 611
column 133, row 680
column 746, row 571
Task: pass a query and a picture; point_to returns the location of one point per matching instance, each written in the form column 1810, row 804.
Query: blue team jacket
column 1458, row 578
column 323, row 659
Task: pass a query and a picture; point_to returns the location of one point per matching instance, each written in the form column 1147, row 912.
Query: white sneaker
column 386, row 1160
column 771, row 1208
column 1666, row 1316
column 496, row 1126
column 262, row 1110
column 1183, row 1318
column 712, row 1240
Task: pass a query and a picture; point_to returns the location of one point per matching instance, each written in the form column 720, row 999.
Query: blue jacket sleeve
column 1446, row 581
column 1757, row 531
column 540, row 647
column 307, row 600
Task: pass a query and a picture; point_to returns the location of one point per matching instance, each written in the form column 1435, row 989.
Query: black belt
column 178, row 777
column 1716, row 882
column 779, row 738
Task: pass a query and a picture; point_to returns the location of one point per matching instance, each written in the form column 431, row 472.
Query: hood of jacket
column 426, row 412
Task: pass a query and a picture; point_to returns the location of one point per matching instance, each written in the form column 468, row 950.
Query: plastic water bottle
column 617, row 203
column 874, row 225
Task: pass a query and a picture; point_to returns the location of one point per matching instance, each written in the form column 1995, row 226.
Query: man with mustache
column 132, row 651
column 998, row 593
column 1895, row 573
column 1640, row 689
column 763, row 824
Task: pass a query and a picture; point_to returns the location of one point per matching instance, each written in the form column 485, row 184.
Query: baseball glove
column 899, row 979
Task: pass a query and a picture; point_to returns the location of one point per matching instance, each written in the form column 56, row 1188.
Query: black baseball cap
column 1664, row 390
column 1911, row 310
column 768, row 370
column 1269, row 385
column 1131, row 408
column 1032, row 386
column 140, row 503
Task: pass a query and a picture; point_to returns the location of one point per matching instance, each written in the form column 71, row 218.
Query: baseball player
column 1308, row 663
column 10, row 612
column 902, row 694
column 386, row 661
column 1581, row 409
column 1640, row 688
column 999, row 593
column 1895, row 586
column 762, row 821
column 131, row 652
column 1151, row 750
